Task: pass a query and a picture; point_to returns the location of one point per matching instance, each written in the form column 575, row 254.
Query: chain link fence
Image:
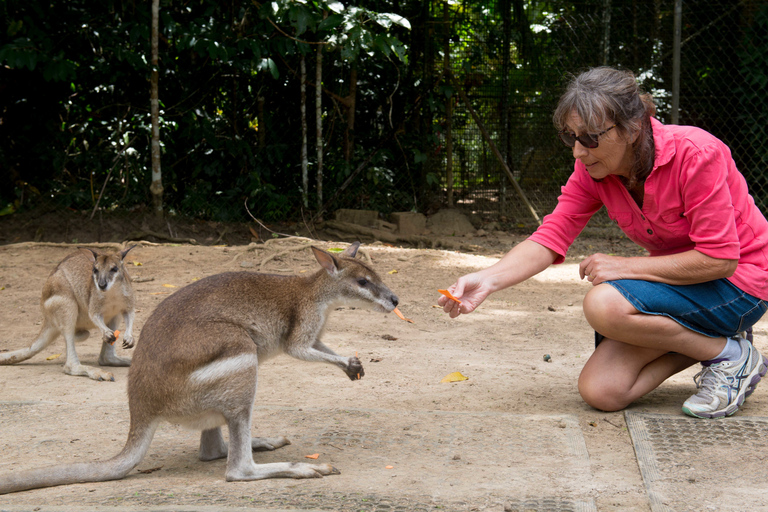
column 513, row 63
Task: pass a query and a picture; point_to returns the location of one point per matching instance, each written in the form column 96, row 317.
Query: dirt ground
column 48, row 417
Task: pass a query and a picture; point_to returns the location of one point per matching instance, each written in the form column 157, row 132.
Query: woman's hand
column 470, row 289
column 599, row 268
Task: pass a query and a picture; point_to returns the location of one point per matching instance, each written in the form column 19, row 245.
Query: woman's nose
column 579, row 150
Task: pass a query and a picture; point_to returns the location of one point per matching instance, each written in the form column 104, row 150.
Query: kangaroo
column 87, row 289
column 196, row 364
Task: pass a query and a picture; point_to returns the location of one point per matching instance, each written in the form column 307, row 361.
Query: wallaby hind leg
column 213, row 446
column 240, row 464
column 48, row 333
column 108, row 356
column 73, row 365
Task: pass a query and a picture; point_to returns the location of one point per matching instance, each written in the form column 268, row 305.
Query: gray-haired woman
column 675, row 191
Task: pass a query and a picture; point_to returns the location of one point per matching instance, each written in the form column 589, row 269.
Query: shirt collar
column 664, row 143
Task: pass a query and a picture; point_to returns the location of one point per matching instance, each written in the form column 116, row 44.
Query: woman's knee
column 604, row 307
column 600, row 394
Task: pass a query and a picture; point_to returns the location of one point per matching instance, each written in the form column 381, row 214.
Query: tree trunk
column 349, row 134
column 319, row 137
column 304, row 162
column 156, row 188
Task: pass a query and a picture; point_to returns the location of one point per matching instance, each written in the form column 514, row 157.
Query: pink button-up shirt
column 695, row 198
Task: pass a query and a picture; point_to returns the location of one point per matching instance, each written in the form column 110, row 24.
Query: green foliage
column 76, row 100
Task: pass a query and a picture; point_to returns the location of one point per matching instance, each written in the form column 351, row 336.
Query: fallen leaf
column 389, row 467
column 454, row 377
column 400, row 315
column 158, row 293
column 51, row 358
column 255, row 235
column 388, row 337
column 313, row 456
column 392, row 271
column 136, row 263
column 169, row 286
column 335, row 249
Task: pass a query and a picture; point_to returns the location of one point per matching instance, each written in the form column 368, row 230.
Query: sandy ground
column 500, row 348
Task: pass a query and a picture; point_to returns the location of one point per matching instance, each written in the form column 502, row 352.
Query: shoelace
column 709, row 376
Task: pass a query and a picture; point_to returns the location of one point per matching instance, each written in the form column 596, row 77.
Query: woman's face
column 613, row 155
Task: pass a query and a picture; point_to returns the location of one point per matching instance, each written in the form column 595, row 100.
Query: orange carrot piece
column 449, row 295
column 117, row 334
column 399, row 314
column 313, row 456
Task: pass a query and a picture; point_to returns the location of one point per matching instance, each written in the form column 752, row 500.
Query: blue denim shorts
column 714, row 309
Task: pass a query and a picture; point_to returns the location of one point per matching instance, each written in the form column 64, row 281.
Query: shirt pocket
column 622, row 219
column 675, row 222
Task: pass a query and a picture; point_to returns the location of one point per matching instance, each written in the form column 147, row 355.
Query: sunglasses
column 588, row 140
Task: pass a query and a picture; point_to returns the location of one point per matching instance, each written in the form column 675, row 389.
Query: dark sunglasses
column 588, row 140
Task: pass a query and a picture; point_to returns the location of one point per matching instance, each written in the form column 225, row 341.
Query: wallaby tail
column 64, row 474
column 47, row 334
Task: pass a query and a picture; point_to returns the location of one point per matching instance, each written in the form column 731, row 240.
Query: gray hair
column 605, row 95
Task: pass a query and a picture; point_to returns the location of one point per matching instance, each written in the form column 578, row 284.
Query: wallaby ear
column 92, row 255
column 126, row 251
column 351, row 251
column 326, row 260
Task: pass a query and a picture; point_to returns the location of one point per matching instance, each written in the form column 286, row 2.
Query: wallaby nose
column 103, row 284
column 394, row 300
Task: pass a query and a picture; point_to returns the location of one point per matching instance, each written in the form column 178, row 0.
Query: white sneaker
column 724, row 385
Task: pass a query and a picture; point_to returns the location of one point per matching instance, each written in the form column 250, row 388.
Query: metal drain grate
column 693, row 464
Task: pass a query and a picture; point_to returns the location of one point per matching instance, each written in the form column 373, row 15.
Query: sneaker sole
column 731, row 409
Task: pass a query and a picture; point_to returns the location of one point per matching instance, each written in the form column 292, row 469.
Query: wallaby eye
column 95, row 270
column 362, row 281
column 113, row 269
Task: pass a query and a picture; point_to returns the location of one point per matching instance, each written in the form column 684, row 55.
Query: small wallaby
column 87, row 289
column 196, row 364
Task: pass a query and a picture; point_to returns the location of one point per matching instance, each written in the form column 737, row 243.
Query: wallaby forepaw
column 109, row 337
column 128, row 342
column 355, row 369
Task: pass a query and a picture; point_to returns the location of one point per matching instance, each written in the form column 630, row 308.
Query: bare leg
column 609, row 313
column 634, row 358
column 618, row 373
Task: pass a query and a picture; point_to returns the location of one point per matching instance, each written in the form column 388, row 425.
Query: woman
column 675, row 191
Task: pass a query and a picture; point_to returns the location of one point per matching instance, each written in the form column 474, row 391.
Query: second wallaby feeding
column 196, row 364
column 86, row 290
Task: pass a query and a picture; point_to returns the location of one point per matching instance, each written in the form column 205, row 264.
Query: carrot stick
column 449, row 295
column 399, row 314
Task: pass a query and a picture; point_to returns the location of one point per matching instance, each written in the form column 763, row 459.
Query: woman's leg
column 618, row 373
column 610, row 314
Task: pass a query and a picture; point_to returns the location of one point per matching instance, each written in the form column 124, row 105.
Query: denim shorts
column 714, row 309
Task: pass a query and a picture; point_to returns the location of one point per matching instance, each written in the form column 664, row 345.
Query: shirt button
column 650, row 231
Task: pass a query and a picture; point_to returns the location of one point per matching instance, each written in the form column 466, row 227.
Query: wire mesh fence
column 513, row 63
column 478, row 136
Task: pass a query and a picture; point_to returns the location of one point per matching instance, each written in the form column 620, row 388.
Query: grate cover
column 694, row 464
column 389, row 460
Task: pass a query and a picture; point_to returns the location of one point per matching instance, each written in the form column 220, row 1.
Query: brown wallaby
column 197, row 361
column 87, row 289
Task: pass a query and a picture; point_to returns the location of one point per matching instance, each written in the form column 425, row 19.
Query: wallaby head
column 108, row 267
column 353, row 282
